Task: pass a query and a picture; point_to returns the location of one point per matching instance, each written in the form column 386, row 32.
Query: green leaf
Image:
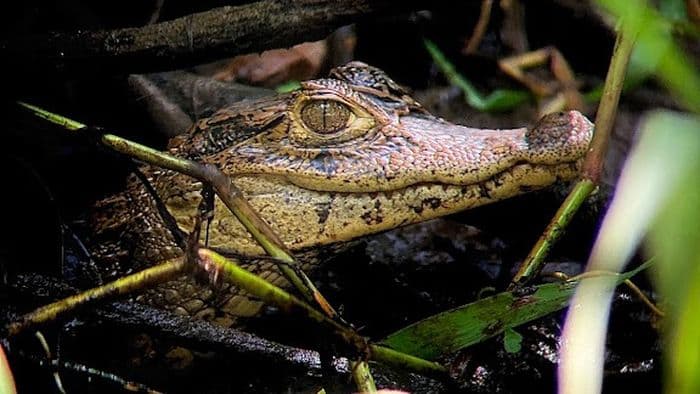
column 7, row 382
column 458, row 328
column 512, row 340
column 675, row 240
column 288, row 86
column 663, row 159
column 673, row 9
column 450, row 331
column 504, row 99
column 657, row 47
column 497, row 101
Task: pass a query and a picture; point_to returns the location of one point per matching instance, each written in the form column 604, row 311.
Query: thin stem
column 655, row 309
column 607, row 109
column 140, row 280
column 593, row 163
column 408, row 362
column 534, row 260
column 363, row 377
column 237, row 204
column 217, row 265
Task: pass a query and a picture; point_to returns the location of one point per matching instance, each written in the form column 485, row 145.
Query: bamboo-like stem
column 407, row 362
column 533, row 262
column 362, row 377
column 150, row 276
column 593, row 163
column 607, row 108
column 220, row 266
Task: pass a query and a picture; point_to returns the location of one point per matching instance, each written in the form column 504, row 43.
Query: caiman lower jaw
column 306, row 218
column 519, row 179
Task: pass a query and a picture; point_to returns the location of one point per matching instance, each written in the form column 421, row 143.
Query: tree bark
column 191, row 39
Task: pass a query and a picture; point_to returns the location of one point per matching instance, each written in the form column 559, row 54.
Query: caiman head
column 353, row 155
column 340, row 158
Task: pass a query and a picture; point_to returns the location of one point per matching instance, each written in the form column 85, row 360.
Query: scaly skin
column 341, row 158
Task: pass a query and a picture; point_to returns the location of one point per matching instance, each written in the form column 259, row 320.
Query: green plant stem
column 497, row 100
column 592, row 167
column 213, row 262
column 607, row 109
column 474, row 97
column 267, row 292
column 362, row 377
column 62, row 121
column 532, row 263
column 138, row 281
column 407, row 362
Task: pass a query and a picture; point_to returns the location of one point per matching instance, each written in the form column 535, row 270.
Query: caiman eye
column 325, row 116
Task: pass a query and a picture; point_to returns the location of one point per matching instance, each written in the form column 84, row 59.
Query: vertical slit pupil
column 325, row 116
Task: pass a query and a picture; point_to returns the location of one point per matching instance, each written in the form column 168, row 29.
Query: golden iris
column 325, row 116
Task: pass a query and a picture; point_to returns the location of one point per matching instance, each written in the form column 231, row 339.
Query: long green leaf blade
column 458, row 328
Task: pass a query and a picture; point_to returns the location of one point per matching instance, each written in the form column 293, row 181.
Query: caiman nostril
column 557, row 137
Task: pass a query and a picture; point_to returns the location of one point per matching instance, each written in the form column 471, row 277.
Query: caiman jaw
column 409, row 182
column 414, row 169
column 308, row 218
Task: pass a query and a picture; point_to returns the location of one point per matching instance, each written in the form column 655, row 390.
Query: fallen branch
column 189, row 40
column 196, row 333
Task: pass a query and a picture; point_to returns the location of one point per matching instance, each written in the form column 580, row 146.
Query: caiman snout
column 559, row 137
column 418, row 149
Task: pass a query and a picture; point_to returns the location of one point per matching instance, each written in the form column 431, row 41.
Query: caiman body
column 341, row 158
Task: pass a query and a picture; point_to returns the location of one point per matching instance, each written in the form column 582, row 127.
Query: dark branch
column 190, row 331
column 192, row 39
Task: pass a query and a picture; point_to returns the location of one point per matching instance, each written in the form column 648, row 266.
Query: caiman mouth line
column 550, row 168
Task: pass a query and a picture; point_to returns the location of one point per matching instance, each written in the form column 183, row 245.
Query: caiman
column 341, row 158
